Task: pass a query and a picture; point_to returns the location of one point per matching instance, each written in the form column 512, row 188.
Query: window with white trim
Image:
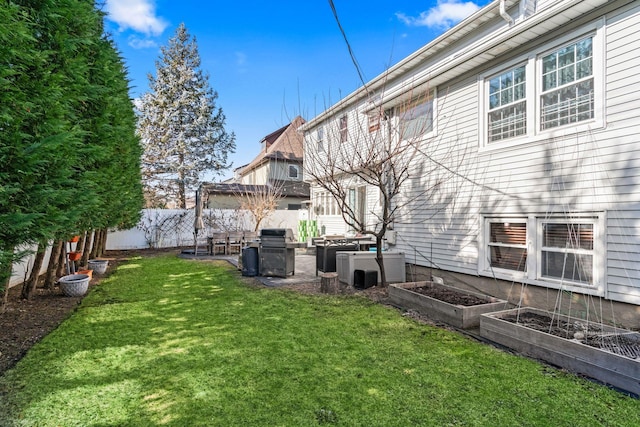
column 415, row 117
column 567, row 85
column 294, row 171
column 508, row 244
column 557, row 252
column 507, row 115
column 558, row 86
column 343, row 128
column 320, row 139
column 566, row 252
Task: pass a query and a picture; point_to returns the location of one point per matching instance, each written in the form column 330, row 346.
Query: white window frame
column 343, row 128
column 490, row 244
column 533, row 66
column 484, row 260
column 320, row 139
column 511, row 103
column 597, row 252
column 533, row 271
column 424, row 97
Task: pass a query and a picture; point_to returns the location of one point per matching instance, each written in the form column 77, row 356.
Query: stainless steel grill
column 277, row 252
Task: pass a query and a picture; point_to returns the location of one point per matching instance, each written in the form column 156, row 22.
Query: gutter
column 450, row 62
column 504, row 14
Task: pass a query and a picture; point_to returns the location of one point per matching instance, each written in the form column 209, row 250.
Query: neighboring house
column 231, row 195
column 532, row 110
column 278, row 167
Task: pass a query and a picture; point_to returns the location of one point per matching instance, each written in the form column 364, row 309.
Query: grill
column 277, row 252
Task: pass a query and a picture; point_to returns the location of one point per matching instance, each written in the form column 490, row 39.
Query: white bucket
column 99, row 266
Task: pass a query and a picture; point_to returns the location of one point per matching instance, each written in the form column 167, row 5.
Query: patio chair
column 234, row 242
column 248, row 237
column 218, row 241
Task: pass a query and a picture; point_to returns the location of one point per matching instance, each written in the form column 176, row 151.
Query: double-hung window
column 567, row 85
column 557, row 252
column 507, row 104
column 557, row 86
column 320, row 139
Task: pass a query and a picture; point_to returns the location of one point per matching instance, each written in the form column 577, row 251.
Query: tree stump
column 329, row 283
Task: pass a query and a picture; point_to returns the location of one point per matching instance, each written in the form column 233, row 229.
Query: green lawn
column 172, row 342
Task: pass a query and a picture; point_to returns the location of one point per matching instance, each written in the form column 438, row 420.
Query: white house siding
column 623, row 115
column 594, row 171
column 440, row 230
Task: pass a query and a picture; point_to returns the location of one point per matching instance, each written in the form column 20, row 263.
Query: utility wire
column 346, row 40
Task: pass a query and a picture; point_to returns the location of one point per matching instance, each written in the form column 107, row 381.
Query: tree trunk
column 94, row 247
column 29, row 286
column 380, row 261
column 329, row 283
column 86, row 248
column 54, row 260
column 5, row 273
column 103, row 242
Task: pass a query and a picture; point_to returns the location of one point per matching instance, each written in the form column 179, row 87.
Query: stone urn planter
column 74, row 285
column 605, row 353
column 456, row 307
column 99, row 266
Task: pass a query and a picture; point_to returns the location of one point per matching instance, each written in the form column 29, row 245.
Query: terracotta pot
column 74, row 239
column 74, row 256
column 87, row 272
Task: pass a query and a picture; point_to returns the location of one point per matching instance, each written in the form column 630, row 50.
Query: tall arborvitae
column 38, row 140
column 182, row 129
column 67, row 127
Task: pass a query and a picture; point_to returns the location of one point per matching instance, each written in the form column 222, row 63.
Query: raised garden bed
column 608, row 354
column 457, row 307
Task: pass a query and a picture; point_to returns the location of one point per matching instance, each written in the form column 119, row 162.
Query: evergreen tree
column 181, row 127
column 69, row 154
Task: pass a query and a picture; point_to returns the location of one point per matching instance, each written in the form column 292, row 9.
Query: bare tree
column 382, row 148
column 259, row 201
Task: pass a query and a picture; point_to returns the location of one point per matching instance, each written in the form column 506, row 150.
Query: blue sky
column 272, row 60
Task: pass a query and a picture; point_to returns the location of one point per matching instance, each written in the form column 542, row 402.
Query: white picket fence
column 168, row 228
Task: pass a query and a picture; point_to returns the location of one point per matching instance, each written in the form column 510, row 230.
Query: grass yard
column 172, row 342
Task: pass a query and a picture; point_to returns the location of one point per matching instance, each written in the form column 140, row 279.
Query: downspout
column 504, row 14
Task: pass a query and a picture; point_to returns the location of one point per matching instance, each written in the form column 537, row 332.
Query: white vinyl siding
column 586, row 169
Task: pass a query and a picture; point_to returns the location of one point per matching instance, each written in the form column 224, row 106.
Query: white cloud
column 141, row 43
column 446, row 14
column 138, row 15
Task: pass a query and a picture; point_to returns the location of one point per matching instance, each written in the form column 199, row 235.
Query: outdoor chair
column 248, row 237
column 234, row 242
column 218, row 241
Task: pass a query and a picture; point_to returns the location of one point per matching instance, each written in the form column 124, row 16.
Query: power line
column 346, row 40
